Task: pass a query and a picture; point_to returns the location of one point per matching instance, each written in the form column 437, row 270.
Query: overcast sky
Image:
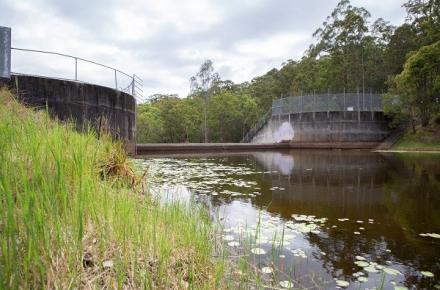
column 164, row 41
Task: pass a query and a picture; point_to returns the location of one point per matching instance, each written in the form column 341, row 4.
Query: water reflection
column 376, row 206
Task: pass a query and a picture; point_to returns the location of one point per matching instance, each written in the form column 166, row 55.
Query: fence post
column 314, row 106
column 358, row 104
column 363, row 101
column 116, row 80
column 328, row 102
column 5, row 52
column 76, row 69
column 132, row 85
column 344, row 108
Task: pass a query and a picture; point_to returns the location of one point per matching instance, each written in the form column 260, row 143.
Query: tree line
column 351, row 53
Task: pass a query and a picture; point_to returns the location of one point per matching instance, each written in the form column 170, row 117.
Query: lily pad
column 228, row 238
column 371, row 269
column 361, row 264
column 342, row 283
column 234, row 244
column 266, row 270
column 432, row 235
column 392, row 271
column 363, row 279
column 286, row 284
column 258, row 251
column 427, row 274
column 400, row 288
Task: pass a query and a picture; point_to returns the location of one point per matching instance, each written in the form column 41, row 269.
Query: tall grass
column 68, row 219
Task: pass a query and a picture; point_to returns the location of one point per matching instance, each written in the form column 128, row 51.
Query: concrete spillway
column 219, row 147
column 334, row 118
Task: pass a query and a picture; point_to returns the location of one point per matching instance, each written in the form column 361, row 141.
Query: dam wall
column 103, row 108
column 325, row 127
column 324, row 118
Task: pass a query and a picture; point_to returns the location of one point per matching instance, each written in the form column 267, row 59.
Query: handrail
column 257, row 127
column 356, row 101
column 74, row 57
column 317, row 103
column 135, row 84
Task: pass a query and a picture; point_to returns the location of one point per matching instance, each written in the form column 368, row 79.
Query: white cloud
column 164, row 42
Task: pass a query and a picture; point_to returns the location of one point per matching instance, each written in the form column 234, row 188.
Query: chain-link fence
column 327, row 103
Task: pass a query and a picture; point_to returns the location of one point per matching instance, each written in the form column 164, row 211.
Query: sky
column 164, row 42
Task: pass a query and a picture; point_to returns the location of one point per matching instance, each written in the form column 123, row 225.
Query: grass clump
column 72, row 215
column 424, row 139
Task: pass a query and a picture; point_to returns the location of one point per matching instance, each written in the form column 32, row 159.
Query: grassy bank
column 72, row 218
column 423, row 140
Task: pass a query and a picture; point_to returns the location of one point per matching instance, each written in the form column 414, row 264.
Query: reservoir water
column 313, row 219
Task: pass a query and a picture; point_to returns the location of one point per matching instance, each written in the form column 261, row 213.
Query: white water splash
column 272, row 133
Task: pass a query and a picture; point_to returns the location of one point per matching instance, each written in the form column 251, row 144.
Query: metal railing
column 135, row 85
column 327, row 103
column 317, row 103
column 257, row 127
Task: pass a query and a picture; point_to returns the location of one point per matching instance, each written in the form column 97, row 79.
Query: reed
column 72, row 215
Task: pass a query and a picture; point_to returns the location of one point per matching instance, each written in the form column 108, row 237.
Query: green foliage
column 417, row 87
column 425, row 18
column 424, row 139
column 63, row 215
column 202, row 84
column 149, row 124
column 230, row 116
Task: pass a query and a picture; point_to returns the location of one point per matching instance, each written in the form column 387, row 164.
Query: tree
column 425, row 17
column 342, row 35
column 202, row 83
column 416, row 89
column 149, row 124
column 402, row 42
column 231, row 115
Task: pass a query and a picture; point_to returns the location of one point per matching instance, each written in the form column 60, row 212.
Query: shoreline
column 407, row 151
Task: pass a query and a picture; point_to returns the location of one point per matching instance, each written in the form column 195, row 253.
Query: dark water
column 320, row 216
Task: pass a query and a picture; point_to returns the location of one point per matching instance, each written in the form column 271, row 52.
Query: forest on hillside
column 351, row 53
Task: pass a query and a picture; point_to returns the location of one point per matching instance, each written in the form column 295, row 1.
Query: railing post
column 116, row 80
column 363, row 100
column 328, row 102
column 344, row 108
column 358, row 104
column 132, row 85
column 76, row 69
column 5, row 52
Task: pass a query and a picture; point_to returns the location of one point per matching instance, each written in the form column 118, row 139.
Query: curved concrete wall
column 84, row 103
column 336, row 126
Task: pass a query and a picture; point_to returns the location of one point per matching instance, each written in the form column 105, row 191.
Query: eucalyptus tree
column 202, row 84
column 424, row 15
column 342, row 36
column 415, row 93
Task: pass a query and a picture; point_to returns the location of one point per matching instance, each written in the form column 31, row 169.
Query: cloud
column 164, row 42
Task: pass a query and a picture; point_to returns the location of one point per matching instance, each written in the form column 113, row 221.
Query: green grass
column 65, row 196
column 423, row 140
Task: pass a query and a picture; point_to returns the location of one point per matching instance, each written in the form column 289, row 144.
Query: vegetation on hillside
column 351, row 53
column 73, row 215
column 424, row 139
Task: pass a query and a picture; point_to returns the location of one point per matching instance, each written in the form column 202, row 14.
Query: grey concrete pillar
column 5, row 52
